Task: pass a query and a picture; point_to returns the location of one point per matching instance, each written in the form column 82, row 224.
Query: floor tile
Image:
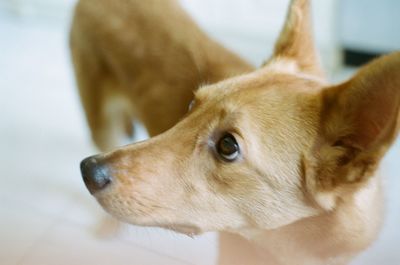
column 20, row 229
column 201, row 250
column 67, row 244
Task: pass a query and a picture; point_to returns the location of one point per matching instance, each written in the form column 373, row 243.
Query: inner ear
column 358, row 123
column 296, row 42
column 363, row 113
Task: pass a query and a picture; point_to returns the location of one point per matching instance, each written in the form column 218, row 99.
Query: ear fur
column 296, row 43
column 359, row 121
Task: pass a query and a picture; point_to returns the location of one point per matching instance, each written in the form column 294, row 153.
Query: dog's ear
column 359, row 121
column 296, row 43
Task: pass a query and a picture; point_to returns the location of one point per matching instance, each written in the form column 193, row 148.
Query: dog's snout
column 95, row 174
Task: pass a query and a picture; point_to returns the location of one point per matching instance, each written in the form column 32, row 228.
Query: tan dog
column 279, row 162
column 141, row 60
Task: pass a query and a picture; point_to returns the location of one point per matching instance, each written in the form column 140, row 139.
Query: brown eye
column 228, row 148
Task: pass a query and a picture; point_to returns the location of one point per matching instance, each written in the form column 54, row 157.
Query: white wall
column 242, row 24
column 44, row 9
column 370, row 24
column 249, row 27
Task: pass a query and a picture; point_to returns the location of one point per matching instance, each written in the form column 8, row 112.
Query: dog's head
column 257, row 151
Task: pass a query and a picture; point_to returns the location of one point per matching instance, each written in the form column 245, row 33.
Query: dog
column 141, row 63
column 282, row 164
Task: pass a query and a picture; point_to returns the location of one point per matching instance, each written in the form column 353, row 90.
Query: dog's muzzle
column 95, row 174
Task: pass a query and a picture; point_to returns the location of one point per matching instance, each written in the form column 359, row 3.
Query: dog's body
column 279, row 162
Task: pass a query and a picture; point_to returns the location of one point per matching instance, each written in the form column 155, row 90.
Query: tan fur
column 149, row 52
column 303, row 189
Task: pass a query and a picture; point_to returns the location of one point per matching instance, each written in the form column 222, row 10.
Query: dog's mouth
column 190, row 230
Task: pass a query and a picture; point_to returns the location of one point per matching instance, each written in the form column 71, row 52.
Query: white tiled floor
column 46, row 215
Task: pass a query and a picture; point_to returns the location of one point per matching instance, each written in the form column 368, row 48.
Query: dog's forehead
column 257, row 98
column 264, row 84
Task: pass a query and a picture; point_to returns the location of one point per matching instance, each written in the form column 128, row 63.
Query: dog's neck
column 329, row 238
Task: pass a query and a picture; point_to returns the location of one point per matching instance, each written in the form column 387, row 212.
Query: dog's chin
column 186, row 229
column 189, row 230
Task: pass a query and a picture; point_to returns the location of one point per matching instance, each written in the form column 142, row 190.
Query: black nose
column 95, row 174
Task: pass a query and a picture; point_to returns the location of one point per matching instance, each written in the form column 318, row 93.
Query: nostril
column 95, row 174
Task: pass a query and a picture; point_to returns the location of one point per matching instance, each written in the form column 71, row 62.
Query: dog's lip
column 186, row 229
column 189, row 230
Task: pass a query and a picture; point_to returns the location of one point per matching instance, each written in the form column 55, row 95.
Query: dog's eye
column 228, row 148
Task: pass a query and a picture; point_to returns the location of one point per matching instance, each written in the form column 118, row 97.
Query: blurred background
column 46, row 214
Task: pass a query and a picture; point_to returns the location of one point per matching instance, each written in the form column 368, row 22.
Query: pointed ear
column 363, row 113
column 359, row 121
column 296, row 42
